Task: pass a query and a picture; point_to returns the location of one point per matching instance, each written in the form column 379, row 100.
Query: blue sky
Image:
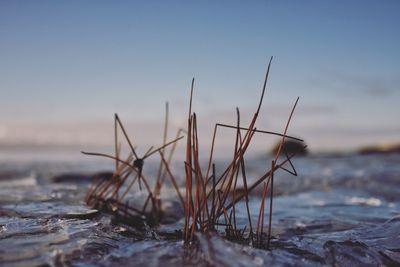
column 67, row 66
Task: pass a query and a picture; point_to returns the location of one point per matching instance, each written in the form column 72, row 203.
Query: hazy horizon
column 67, row 67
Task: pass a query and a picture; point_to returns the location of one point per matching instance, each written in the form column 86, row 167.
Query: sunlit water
column 340, row 210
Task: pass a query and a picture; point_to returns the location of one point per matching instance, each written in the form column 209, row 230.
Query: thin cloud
column 352, row 131
column 372, row 86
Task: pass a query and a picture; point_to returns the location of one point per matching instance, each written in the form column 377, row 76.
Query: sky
column 67, row 66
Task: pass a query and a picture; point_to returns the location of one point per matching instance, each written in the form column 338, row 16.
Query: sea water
column 341, row 210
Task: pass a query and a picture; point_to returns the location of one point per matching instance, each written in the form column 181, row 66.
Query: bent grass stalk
column 208, row 197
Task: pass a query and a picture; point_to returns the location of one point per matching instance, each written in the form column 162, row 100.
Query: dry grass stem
column 211, row 198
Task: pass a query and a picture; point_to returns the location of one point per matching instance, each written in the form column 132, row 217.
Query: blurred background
column 67, row 67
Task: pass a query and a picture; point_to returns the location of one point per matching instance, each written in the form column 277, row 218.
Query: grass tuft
column 210, row 199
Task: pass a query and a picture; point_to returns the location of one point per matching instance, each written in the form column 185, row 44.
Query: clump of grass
column 210, row 200
column 112, row 194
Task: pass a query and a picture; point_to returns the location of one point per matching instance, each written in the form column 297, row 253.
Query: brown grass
column 210, row 199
